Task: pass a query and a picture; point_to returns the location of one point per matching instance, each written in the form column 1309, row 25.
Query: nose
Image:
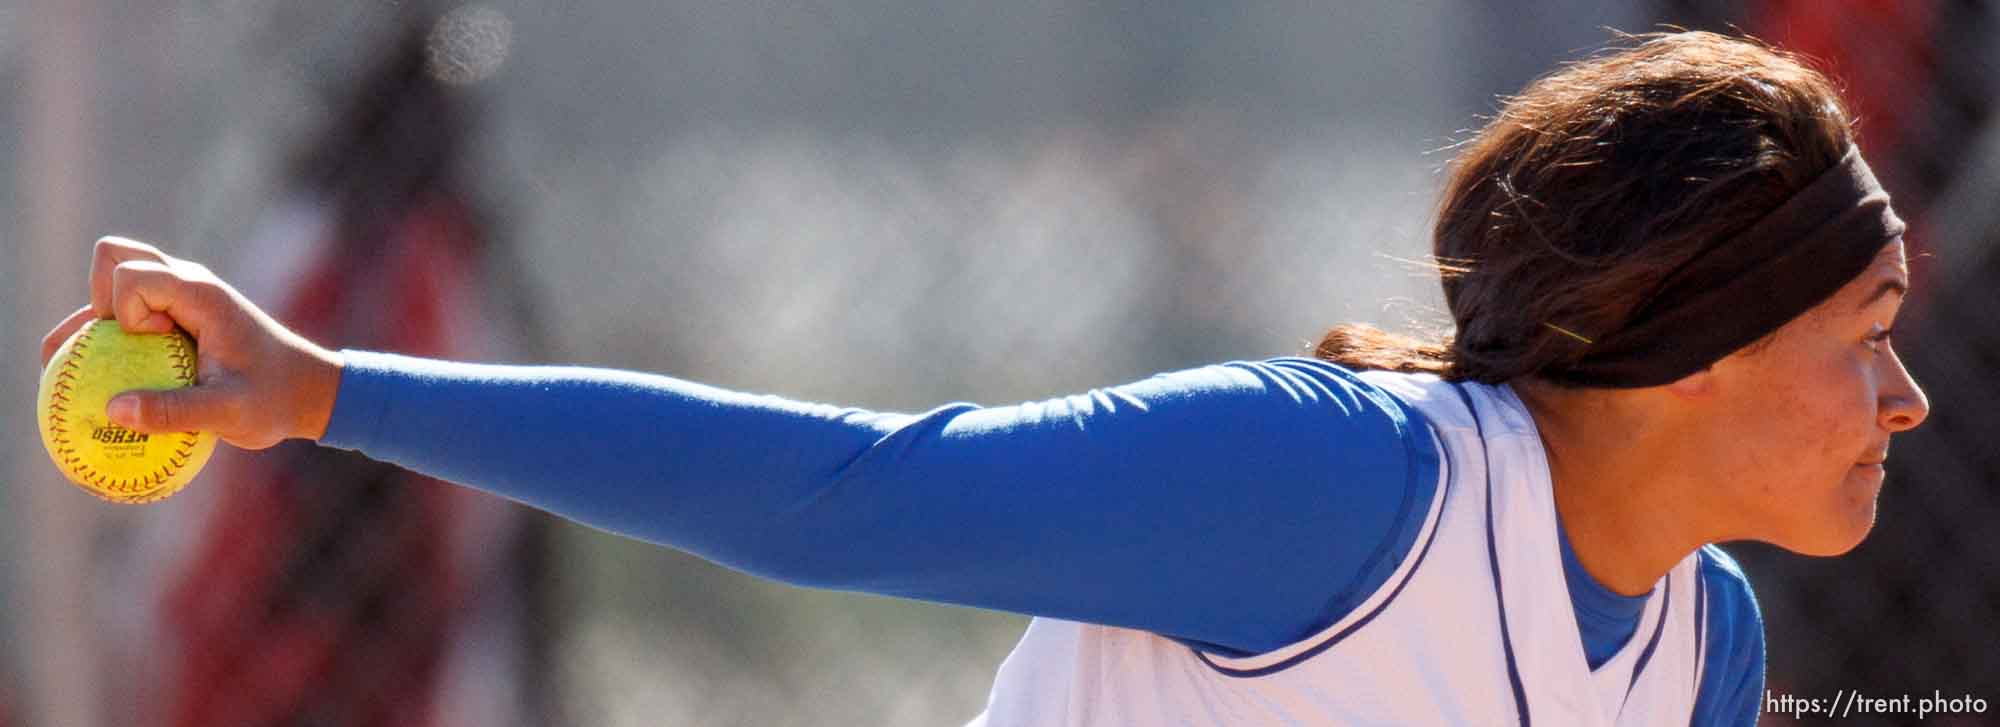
column 1903, row 404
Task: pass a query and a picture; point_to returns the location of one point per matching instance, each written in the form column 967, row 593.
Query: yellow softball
column 98, row 362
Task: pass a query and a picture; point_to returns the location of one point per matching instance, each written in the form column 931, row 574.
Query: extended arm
column 1235, row 507
column 1232, row 505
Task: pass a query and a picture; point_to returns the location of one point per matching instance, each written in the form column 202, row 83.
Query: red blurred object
column 1877, row 49
column 323, row 589
column 327, row 588
column 1880, row 52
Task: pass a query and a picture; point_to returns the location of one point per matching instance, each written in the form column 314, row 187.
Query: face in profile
column 1804, row 420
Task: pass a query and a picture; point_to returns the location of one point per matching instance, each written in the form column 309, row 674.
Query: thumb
column 192, row 409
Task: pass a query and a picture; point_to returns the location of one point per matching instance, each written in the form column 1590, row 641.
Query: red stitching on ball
column 59, row 391
column 182, row 358
column 63, row 382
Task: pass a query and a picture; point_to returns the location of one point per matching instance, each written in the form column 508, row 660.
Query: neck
column 1619, row 485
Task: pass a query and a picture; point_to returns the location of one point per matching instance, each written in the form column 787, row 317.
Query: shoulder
column 1315, row 375
column 1393, row 394
column 1324, row 417
column 1731, row 600
column 1332, row 464
column 1733, row 677
column 1287, row 398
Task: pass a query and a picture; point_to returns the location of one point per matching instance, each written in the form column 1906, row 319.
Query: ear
column 1696, row 385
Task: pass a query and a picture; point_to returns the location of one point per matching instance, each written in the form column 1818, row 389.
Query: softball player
column 1673, row 280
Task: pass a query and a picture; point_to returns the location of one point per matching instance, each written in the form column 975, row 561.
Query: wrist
column 319, row 387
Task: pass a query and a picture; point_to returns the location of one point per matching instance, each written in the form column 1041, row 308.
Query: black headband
column 1738, row 290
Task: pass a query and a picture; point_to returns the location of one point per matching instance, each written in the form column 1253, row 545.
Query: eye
column 1879, row 338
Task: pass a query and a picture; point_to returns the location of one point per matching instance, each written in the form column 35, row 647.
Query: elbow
column 817, row 571
column 806, row 557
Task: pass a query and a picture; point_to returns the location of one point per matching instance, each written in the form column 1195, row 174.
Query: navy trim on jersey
column 1666, row 606
column 1493, row 555
column 1700, row 632
column 1436, row 525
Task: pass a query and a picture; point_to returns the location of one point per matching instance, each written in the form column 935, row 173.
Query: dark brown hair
column 1594, row 183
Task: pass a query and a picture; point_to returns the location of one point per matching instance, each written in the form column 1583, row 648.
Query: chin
column 1830, row 545
column 1845, row 518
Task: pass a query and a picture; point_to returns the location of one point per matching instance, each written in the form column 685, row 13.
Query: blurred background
column 880, row 203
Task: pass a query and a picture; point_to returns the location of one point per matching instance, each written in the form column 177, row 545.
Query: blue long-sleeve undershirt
column 1236, row 507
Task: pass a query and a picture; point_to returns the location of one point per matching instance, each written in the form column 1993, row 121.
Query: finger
column 149, row 297
column 109, row 253
column 63, row 330
column 206, row 407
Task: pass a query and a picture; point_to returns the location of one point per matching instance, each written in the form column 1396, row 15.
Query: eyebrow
column 1886, row 287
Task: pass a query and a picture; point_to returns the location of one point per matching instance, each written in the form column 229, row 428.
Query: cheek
column 1822, row 420
column 1797, row 426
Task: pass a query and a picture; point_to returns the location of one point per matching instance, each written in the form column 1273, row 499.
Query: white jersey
column 1475, row 626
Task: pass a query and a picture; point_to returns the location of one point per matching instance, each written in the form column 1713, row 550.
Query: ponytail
column 1362, row 347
